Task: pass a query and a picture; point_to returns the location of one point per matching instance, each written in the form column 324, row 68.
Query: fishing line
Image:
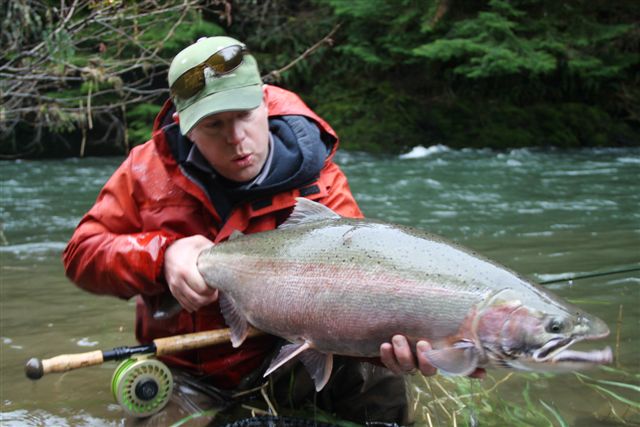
column 617, row 270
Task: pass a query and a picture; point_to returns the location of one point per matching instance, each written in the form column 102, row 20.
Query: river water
column 543, row 213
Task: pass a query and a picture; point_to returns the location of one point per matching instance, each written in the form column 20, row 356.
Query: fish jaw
column 564, row 359
column 577, row 360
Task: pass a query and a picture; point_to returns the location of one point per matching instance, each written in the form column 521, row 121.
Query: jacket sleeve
column 108, row 252
column 339, row 197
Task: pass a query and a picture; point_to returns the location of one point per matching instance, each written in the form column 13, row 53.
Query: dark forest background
column 86, row 77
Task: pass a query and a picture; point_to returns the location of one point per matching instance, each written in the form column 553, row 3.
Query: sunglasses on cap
column 222, row 62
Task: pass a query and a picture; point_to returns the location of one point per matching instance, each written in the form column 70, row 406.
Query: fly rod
column 36, row 368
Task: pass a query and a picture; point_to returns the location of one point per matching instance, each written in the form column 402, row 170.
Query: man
column 227, row 154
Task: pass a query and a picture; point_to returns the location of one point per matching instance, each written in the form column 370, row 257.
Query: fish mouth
column 552, row 348
column 557, row 352
column 594, row 357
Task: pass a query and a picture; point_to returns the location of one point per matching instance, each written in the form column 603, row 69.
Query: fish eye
column 555, row 326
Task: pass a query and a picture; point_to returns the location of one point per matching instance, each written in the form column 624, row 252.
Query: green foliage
column 20, row 24
column 506, row 40
column 493, row 73
column 487, row 46
column 59, row 45
column 380, row 33
column 140, row 122
column 528, row 38
column 185, row 33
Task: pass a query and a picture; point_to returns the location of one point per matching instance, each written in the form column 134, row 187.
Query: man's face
column 235, row 143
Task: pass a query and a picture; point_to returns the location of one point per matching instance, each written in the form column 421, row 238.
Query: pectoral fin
column 459, row 359
column 318, row 364
column 287, row 352
column 235, row 319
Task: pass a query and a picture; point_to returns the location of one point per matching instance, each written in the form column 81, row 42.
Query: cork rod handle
column 36, row 368
column 196, row 340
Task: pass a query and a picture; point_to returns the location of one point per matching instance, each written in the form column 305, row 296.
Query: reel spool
column 142, row 386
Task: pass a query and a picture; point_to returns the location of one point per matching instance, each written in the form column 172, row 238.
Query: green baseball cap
column 238, row 89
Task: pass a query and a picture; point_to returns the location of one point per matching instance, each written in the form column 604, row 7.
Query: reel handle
column 36, row 368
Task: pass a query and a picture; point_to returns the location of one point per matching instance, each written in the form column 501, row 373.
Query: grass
column 529, row 399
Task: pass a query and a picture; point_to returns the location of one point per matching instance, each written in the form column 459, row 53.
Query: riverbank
column 458, row 125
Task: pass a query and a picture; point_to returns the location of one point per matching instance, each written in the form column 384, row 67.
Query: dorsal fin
column 307, row 211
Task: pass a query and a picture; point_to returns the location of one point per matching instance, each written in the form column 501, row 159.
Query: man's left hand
column 400, row 359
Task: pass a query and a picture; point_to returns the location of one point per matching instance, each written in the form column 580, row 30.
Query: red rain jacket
column 118, row 247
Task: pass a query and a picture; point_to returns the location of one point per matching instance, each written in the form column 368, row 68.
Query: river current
column 546, row 214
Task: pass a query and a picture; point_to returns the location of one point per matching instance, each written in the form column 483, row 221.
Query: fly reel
column 142, row 386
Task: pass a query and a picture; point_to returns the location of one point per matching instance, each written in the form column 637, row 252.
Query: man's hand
column 398, row 357
column 182, row 275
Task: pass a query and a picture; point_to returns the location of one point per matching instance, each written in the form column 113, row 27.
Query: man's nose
column 235, row 133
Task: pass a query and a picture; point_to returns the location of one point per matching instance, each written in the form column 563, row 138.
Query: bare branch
column 66, row 78
column 328, row 39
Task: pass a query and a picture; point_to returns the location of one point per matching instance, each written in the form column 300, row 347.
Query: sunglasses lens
column 188, row 84
column 221, row 62
column 226, row 60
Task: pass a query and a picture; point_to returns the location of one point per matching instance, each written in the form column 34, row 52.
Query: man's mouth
column 243, row 160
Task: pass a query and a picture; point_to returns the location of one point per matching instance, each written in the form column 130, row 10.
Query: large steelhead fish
column 334, row 285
